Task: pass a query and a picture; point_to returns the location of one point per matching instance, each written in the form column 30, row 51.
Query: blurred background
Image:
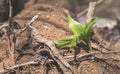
column 108, row 8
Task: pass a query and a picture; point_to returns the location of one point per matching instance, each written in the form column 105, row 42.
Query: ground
column 52, row 25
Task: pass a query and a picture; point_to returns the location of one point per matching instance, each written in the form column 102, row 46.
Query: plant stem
column 89, row 46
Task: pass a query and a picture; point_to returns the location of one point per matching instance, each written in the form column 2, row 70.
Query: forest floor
column 52, row 25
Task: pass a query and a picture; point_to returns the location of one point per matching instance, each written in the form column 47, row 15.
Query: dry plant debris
column 63, row 61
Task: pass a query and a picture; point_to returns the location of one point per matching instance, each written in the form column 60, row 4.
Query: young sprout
column 80, row 33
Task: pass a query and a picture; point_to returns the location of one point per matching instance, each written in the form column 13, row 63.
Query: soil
column 52, row 25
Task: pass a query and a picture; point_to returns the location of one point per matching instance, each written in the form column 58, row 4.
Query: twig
column 27, row 25
column 10, row 13
column 90, row 12
column 68, row 58
column 80, row 56
column 84, row 11
column 10, row 39
column 17, row 66
column 3, row 26
column 64, row 65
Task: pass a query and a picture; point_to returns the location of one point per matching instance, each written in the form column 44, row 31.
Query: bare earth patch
column 52, row 25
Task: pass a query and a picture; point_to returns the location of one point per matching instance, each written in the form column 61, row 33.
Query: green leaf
column 89, row 25
column 63, row 41
column 73, row 42
column 80, row 32
column 75, row 26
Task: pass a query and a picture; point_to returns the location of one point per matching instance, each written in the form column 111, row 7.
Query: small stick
column 11, row 42
column 64, row 65
column 10, row 13
column 28, row 24
column 17, row 66
column 84, row 11
column 80, row 56
column 90, row 12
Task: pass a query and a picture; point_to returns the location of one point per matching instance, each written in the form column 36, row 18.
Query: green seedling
column 80, row 33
